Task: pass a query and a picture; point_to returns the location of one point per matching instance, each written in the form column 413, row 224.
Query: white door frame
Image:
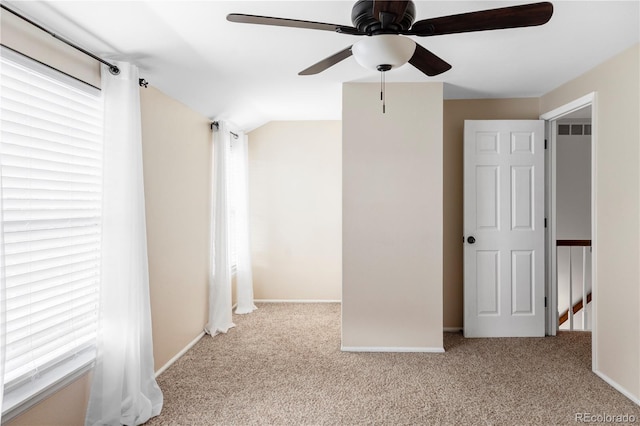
column 552, row 286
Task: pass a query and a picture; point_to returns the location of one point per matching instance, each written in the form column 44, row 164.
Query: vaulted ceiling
column 249, row 73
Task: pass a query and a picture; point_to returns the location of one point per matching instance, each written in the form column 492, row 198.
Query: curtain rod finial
column 114, row 70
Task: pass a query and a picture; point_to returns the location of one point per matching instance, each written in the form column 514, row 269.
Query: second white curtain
column 244, row 276
column 220, row 315
column 230, row 247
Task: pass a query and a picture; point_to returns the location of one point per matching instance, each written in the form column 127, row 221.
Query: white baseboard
column 452, row 329
column 295, row 301
column 618, row 387
column 179, row 354
column 390, row 349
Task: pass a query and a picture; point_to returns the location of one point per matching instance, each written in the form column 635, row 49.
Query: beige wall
column 177, row 163
column 455, row 112
column 617, row 219
column 392, row 217
column 66, row 407
column 295, row 175
column 177, row 151
column 273, row 148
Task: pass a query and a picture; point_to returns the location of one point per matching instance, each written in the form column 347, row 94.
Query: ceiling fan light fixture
column 383, row 49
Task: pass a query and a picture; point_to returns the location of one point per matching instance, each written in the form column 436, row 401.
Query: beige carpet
column 282, row 365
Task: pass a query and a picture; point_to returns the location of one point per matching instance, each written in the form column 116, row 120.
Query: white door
column 504, row 228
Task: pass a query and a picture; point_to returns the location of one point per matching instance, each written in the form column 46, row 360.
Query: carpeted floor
column 282, row 365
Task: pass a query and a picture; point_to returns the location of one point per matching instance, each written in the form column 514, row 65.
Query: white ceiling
column 248, row 73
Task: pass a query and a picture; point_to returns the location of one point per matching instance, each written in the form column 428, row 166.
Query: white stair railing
column 581, row 305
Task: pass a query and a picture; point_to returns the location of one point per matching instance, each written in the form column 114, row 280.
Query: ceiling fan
column 387, row 23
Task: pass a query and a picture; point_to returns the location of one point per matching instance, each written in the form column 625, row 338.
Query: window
column 51, row 169
column 576, row 129
column 564, row 129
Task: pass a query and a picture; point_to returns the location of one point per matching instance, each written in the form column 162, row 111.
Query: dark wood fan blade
column 394, row 9
column 327, row 62
column 293, row 23
column 527, row 15
column 427, row 62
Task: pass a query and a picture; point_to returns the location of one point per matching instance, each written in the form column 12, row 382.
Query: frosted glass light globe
column 383, row 49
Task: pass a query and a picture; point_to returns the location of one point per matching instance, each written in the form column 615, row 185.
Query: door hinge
column 545, row 301
column 545, row 222
column 545, row 144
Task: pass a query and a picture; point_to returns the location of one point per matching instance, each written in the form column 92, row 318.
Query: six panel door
column 504, row 228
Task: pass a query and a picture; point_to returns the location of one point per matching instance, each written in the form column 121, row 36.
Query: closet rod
column 112, row 68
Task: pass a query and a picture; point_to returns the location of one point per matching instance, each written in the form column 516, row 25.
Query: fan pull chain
column 383, row 68
column 382, row 91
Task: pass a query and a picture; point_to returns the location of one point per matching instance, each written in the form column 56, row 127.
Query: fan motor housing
column 363, row 19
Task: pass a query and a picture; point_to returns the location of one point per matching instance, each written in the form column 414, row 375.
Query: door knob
column 471, row 240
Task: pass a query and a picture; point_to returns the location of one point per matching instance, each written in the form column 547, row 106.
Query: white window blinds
column 51, row 167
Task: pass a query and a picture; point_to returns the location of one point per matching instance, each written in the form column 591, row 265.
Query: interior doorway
column 571, row 248
column 573, row 220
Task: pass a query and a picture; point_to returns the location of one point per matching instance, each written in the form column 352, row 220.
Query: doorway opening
column 571, row 249
column 573, row 220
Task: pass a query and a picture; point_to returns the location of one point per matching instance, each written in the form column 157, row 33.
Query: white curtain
column 220, row 317
column 244, row 276
column 124, row 389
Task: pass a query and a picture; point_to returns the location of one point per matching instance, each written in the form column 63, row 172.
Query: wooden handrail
column 581, row 243
column 565, row 316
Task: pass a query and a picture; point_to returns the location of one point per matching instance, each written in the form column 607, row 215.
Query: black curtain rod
column 112, row 68
column 216, row 125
